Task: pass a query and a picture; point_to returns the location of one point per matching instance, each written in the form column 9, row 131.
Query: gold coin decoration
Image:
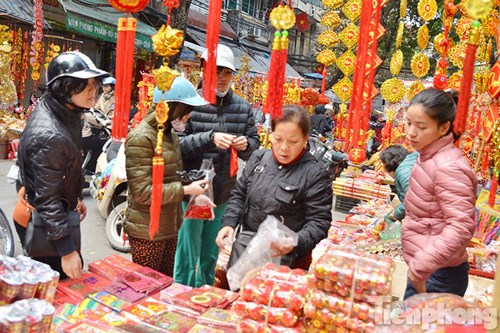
column 326, row 57
column 352, row 9
column 477, row 9
column 462, row 28
column 490, row 23
column 164, row 77
column 332, row 4
column 396, row 62
column 420, row 65
column 414, row 89
column 403, row 6
column 343, row 89
column 331, row 20
column 393, row 90
column 349, row 35
column 454, row 80
column 457, row 55
column 423, row 37
column 328, row 38
column 347, row 62
column 427, row 9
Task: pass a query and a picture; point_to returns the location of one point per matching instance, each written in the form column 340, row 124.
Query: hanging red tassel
column 171, row 4
column 467, row 80
column 233, row 162
column 210, row 66
column 120, row 77
column 323, row 81
column 493, row 189
column 272, row 76
column 128, row 75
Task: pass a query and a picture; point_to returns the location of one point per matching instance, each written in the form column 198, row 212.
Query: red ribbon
column 233, row 162
column 210, row 67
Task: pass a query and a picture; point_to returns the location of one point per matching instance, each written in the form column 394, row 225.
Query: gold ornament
column 349, row 35
column 393, row 90
column 331, row 20
column 164, row 77
column 403, row 6
column 477, row 9
column 396, row 62
column 490, row 23
column 328, row 38
column 414, row 89
column 347, row 62
column 352, row 9
column 326, row 57
column 457, row 55
column 427, row 9
column 332, row 4
column 167, row 41
column 343, row 89
column 442, row 47
column 423, row 37
column 282, row 17
column 399, row 34
column 462, row 28
column 420, row 65
column 454, row 80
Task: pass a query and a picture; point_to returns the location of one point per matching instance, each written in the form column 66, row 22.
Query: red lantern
column 309, row 96
column 494, row 81
column 357, row 155
column 129, row 6
column 323, row 99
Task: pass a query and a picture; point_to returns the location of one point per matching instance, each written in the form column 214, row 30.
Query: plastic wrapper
column 342, row 324
column 200, row 206
column 391, row 231
column 27, row 315
column 260, row 312
column 23, row 278
column 258, row 251
column 248, row 325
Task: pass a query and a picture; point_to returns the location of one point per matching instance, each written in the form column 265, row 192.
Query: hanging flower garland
column 420, row 64
column 52, row 52
column 36, row 42
column 24, row 67
column 8, row 95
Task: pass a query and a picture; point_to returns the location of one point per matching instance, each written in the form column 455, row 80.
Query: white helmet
column 225, row 57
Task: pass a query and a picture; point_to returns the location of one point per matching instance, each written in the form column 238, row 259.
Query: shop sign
column 102, row 31
column 187, row 55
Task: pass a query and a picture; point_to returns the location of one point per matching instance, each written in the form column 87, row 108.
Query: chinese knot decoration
column 129, row 6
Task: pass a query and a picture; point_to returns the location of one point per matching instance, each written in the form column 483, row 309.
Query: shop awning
column 100, row 22
column 20, row 10
column 290, row 72
column 200, row 20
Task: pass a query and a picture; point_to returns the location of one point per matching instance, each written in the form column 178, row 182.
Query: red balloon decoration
column 129, row 6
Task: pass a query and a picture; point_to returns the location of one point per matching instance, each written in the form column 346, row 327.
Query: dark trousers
column 93, row 143
column 453, row 280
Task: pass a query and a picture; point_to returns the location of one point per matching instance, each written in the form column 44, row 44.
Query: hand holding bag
column 37, row 243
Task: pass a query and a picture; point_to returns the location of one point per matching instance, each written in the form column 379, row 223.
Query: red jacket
column 439, row 204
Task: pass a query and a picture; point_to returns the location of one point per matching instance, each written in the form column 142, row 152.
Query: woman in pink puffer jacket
column 440, row 200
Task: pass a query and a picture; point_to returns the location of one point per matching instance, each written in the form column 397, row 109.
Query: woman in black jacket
column 50, row 156
column 286, row 182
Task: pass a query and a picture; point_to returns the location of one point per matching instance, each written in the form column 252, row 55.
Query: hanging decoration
column 36, row 42
column 166, row 43
column 495, row 177
column 129, row 6
column 302, row 22
column 282, row 18
column 8, row 95
column 146, row 87
column 171, row 4
column 52, row 52
column 331, row 20
column 21, row 78
column 210, row 66
column 420, row 64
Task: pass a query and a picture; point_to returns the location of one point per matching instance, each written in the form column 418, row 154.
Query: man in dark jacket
column 210, row 133
column 319, row 123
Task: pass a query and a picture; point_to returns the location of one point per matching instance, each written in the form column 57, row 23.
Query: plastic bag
column 200, row 206
column 391, row 231
column 258, row 251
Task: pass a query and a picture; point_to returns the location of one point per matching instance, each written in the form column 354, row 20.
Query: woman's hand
column 72, row 265
column 196, row 187
column 282, row 248
column 418, row 284
column 81, row 209
column 226, row 232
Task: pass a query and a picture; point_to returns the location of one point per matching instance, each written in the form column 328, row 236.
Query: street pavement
column 94, row 241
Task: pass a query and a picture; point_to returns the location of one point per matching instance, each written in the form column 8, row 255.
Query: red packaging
column 89, row 283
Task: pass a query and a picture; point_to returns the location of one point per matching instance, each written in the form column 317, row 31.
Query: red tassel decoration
column 493, row 189
column 210, row 67
column 323, row 81
column 467, row 80
column 119, row 86
column 272, row 77
column 128, row 75
column 233, row 162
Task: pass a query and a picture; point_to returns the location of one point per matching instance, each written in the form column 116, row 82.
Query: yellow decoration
column 457, row 54
column 167, row 41
column 164, row 77
column 332, row 4
column 414, row 89
column 331, row 20
column 427, row 9
column 343, row 89
column 477, row 9
column 282, row 17
column 352, row 9
column 396, row 62
column 462, row 28
column 393, row 90
column 454, row 80
column 349, row 35
column 490, row 23
column 326, row 57
column 420, row 65
column 399, row 34
column 347, row 62
column 403, row 6
column 328, row 38
column 423, row 37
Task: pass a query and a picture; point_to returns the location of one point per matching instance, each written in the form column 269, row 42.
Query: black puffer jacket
column 50, row 161
column 231, row 115
column 299, row 194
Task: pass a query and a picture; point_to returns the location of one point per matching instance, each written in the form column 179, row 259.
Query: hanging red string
column 272, row 77
column 129, row 72
column 171, row 4
column 467, row 80
column 493, row 189
column 210, row 66
column 323, row 81
column 120, row 78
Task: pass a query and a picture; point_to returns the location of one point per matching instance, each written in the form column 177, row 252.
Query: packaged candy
column 28, row 315
column 281, row 316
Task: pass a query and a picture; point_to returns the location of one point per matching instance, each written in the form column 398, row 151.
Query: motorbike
column 332, row 161
column 103, row 132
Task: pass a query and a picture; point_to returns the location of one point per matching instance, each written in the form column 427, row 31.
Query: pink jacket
column 439, row 204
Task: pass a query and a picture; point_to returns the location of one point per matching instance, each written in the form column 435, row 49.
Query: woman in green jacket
column 159, row 253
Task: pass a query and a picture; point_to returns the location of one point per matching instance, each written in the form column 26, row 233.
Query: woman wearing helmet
column 106, row 102
column 50, row 155
column 159, row 253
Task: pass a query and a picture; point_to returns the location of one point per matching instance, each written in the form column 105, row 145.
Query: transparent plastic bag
column 200, row 206
column 258, row 251
column 392, row 230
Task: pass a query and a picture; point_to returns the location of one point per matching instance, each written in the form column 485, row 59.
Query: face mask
column 178, row 125
column 222, row 93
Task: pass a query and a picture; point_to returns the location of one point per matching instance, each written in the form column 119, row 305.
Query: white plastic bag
column 258, row 251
